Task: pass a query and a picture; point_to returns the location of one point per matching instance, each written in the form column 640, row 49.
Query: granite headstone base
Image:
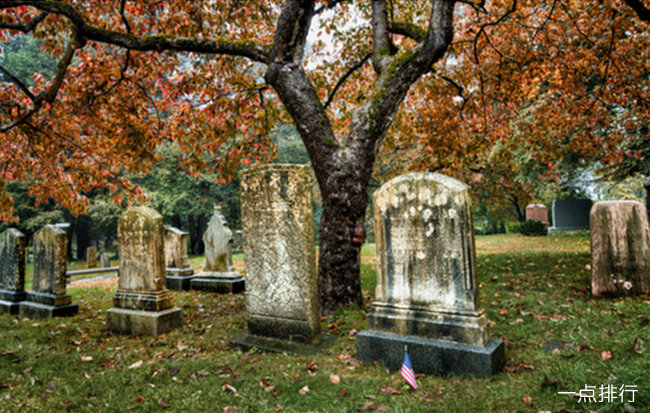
column 42, row 305
column 178, row 279
column 143, row 323
column 247, row 341
column 10, row 301
column 429, row 356
column 470, row 327
column 218, row 282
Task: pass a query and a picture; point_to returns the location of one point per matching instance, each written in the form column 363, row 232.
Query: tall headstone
column 647, row 196
column 178, row 270
column 105, row 259
column 620, row 249
column 427, row 293
column 142, row 304
column 237, row 242
column 571, row 214
column 49, row 297
column 281, row 283
column 537, row 212
column 91, row 257
column 218, row 274
column 12, row 270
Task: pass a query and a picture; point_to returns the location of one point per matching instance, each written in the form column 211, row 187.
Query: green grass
column 535, row 291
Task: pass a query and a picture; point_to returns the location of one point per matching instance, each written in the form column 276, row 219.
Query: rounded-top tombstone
column 143, row 304
column 427, row 295
column 12, row 270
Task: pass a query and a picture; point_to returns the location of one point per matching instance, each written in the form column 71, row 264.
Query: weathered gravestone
column 12, row 270
column 105, row 260
column 178, row 270
column 537, row 212
column 281, row 284
column 427, row 293
column 218, row 274
column 620, row 249
column 237, row 242
column 91, row 257
column 571, row 214
column 143, row 304
column 49, row 297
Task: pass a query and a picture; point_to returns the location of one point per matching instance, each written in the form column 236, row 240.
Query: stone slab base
column 41, row 311
column 218, row 285
column 179, row 283
column 143, row 323
column 9, row 307
column 431, row 356
column 179, row 272
column 247, row 341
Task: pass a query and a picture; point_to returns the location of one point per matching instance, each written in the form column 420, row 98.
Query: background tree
column 124, row 67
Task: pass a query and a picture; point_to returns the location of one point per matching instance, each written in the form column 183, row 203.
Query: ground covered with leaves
column 535, row 290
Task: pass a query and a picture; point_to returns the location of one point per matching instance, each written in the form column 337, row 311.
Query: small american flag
column 407, row 371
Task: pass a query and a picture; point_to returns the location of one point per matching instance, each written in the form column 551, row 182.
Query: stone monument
column 537, row 212
column 178, row 270
column 427, row 293
column 142, row 304
column 237, row 242
column 620, row 249
column 105, row 259
column 571, row 214
column 49, row 297
column 281, row 283
column 91, row 257
column 218, row 274
column 12, row 270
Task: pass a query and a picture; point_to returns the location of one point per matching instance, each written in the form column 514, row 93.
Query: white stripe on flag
column 407, row 371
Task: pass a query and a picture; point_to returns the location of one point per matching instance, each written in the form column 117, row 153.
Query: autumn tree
column 210, row 75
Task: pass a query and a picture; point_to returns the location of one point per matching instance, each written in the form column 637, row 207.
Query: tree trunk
column 176, row 221
column 82, row 230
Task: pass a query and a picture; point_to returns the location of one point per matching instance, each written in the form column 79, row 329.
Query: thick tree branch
column 641, row 11
column 21, row 85
column 330, row 4
column 382, row 46
column 145, row 43
column 345, row 77
column 291, row 32
column 25, row 28
column 409, row 30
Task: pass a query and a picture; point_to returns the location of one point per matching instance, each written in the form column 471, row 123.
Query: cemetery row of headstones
column 426, row 296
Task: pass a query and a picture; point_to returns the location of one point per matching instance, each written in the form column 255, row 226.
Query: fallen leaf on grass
column 528, row 401
column 304, row 390
column 136, row 364
column 342, row 393
column 605, row 355
column 389, row 390
column 163, row 403
column 638, row 346
column 335, row 379
column 230, row 409
column 373, row 406
column 228, row 387
column 86, row 358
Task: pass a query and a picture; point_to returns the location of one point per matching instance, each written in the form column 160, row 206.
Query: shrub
column 532, row 228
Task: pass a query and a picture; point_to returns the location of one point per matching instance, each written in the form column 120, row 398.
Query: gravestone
column 49, row 297
column 178, row 270
column 620, row 249
column 281, row 283
column 537, row 212
column 647, row 196
column 427, row 293
column 91, row 257
column 12, row 270
column 218, row 274
column 105, row 260
column 237, row 242
column 142, row 304
column 571, row 214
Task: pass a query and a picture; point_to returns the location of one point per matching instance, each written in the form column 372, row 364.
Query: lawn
column 535, row 291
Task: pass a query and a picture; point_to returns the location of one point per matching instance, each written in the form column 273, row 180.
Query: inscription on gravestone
column 426, row 295
column 49, row 297
column 142, row 304
column 12, row 270
column 281, row 286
